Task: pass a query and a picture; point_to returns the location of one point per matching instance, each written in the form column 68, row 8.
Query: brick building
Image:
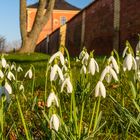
column 63, row 12
column 103, row 25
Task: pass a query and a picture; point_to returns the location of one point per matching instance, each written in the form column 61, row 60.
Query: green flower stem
column 33, row 84
column 97, row 113
column 91, row 121
column 23, row 120
column 81, row 118
column 2, row 118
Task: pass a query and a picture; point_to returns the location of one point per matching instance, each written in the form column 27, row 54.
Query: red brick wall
column 99, row 27
column 73, row 35
column 130, row 22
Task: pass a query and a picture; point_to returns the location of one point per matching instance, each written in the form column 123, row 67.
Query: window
column 63, row 20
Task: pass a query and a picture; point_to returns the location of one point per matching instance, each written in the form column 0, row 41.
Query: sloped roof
column 59, row 5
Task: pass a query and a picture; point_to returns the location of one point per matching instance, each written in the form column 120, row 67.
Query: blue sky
column 9, row 17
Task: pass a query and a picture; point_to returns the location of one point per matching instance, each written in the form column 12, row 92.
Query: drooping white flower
column 8, row 88
column 93, row 66
column 52, row 98
column 54, row 56
column 114, row 64
column 29, row 73
column 13, row 67
column 54, row 122
column 1, row 74
column 129, row 63
column 19, row 69
column 83, row 70
column 85, row 59
column 100, row 89
column 54, row 70
column 21, row 88
column 68, row 85
column 82, row 54
column 108, row 73
column 11, row 76
column 3, row 62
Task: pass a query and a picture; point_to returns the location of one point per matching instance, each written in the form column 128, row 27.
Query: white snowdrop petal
column 102, row 89
column 60, row 73
column 52, row 98
column 62, row 60
column 112, row 72
column 19, row 69
column 63, row 85
column 8, row 88
column 53, row 72
column 115, row 65
column 83, row 70
column 1, row 74
column 103, row 74
column 69, row 86
column 11, row 76
column 108, row 77
column 129, row 62
column 91, row 66
column 97, row 89
column 96, row 65
column 53, row 57
column 54, row 122
column 3, row 61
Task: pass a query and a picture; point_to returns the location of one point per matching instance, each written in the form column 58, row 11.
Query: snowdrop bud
column 100, row 90
column 1, row 74
column 54, row 122
column 21, row 88
column 54, row 56
column 11, row 76
column 52, row 98
column 8, row 88
column 19, row 69
column 29, row 73
column 3, row 62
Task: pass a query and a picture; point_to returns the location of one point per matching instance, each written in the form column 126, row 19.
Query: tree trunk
column 29, row 40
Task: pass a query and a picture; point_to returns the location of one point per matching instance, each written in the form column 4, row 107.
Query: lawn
column 53, row 106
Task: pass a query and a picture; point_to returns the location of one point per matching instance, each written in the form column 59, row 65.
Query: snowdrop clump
column 110, row 71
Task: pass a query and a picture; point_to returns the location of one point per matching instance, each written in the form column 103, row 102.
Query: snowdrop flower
column 93, row 66
column 64, row 68
column 82, row 54
column 3, row 62
column 19, row 69
column 125, row 51
column 129, row 63
column 83, row 70
column 8, row 88
column 108, row 73
column 13, row 67
column 21, row 88
column 29, row 73
column 1, row 74
column 85, row 58
column 54, row 56
column 11, row 76
column 52, row 98
column 54, row 122
column 114, row 64
column 54, row 70
column 100, row 89
column 68, row 85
